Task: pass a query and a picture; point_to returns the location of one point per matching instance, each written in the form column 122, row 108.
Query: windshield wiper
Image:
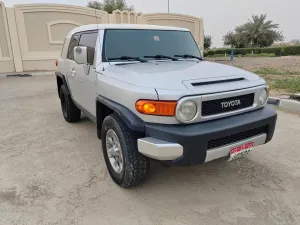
column 128, row 58
column 189, row 56
column 161, row 57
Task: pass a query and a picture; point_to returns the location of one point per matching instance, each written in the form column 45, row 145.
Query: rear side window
column 89, row 40
column 72, row 45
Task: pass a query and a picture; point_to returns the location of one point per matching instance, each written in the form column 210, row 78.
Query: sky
column 219, row 16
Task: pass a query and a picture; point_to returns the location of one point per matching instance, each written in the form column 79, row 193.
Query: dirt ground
column 287, row 67
column 288, row 63
column 52, row 172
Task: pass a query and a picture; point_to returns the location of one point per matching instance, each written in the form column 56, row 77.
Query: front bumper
column 206, row 141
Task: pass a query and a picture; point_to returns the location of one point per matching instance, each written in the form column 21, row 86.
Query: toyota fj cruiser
column 152, row 96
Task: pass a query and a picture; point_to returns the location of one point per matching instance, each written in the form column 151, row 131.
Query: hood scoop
column 196, row 84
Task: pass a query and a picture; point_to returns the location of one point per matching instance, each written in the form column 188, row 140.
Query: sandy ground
column 52, row 172
column 286, row 63
column 281, row 64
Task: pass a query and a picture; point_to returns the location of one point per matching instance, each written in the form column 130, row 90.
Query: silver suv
column 152, row 96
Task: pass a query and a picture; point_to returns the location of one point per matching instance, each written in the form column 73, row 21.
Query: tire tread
column 73, row 113
column 138, row 165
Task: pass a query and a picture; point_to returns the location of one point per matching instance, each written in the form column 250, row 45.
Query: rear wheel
column 70, row 111
column 126, row 166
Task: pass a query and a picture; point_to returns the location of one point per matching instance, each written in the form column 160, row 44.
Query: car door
column 85, row 74
column 69, row 67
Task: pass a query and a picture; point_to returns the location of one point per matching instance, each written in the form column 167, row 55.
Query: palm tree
column 110, row 5
column 259, row 32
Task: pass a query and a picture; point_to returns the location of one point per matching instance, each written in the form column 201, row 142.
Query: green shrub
column 270, row 50
column 278, row 51
column 211, row 52
column 222, row 51
column 215, row 56
column 291, row 50
column 291, row 84
column 257, row 51
column 245, row 51
column 240, row 51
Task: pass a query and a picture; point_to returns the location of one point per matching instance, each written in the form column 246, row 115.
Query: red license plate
column 240, row 151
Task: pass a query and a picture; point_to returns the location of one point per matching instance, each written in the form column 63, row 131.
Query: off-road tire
column 135, row 165
column 70, row 111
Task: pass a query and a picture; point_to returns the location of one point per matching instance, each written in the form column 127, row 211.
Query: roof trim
column 123, row 26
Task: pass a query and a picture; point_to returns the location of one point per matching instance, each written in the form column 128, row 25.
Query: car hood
column 181, row 75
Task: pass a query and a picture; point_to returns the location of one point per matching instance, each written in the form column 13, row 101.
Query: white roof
column 123, row 26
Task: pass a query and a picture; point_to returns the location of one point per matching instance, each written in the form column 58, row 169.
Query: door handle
column 73, row 72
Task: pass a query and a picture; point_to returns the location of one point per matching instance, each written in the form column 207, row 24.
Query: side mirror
column 80, row 55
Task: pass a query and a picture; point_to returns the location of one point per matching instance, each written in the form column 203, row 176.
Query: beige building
column 31, row 36
column 278, row 44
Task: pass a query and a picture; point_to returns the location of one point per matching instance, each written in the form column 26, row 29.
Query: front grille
column 227, row 104
column 230, row 139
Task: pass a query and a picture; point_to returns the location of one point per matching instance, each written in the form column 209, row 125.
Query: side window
column 72, row 45
column 89, row 40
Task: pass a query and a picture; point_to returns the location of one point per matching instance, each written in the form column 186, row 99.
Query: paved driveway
column 52, row 172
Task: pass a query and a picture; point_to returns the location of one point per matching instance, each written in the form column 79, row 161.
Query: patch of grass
column 241, row 56
column 290, row 84
column 288, row 72
column 266, row 71
column 261, row 55
column 216, row 56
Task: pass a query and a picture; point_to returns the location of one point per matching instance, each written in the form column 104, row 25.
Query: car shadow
column 240, row 175
column 243, row 176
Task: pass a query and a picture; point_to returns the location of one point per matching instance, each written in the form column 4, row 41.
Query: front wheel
column 126, row 166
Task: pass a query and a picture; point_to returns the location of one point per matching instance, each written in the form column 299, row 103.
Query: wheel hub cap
column 114, row 151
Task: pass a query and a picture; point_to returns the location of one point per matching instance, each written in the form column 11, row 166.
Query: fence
column 32, row 35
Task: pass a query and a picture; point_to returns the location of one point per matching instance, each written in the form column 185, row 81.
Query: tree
column 95, row 5
column 207, row 41
column 261, row 33
column 110, row 5
column 235, row 40
column 256, row 33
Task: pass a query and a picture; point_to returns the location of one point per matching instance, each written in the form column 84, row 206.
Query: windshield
column 141, row 43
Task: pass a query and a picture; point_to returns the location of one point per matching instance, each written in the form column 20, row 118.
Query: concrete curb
column 29, row 74
column 287, row 104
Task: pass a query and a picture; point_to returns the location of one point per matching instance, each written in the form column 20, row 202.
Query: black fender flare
column 133, row 122
column 63, row 78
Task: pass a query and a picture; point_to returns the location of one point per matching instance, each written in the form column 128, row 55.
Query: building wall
column 32, row 35
column 43, row 27
column 6, row 57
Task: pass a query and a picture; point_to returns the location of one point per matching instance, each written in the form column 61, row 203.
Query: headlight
column 186, row 111
column 263, row 97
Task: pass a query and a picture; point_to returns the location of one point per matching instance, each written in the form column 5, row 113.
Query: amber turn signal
column 158, row 108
